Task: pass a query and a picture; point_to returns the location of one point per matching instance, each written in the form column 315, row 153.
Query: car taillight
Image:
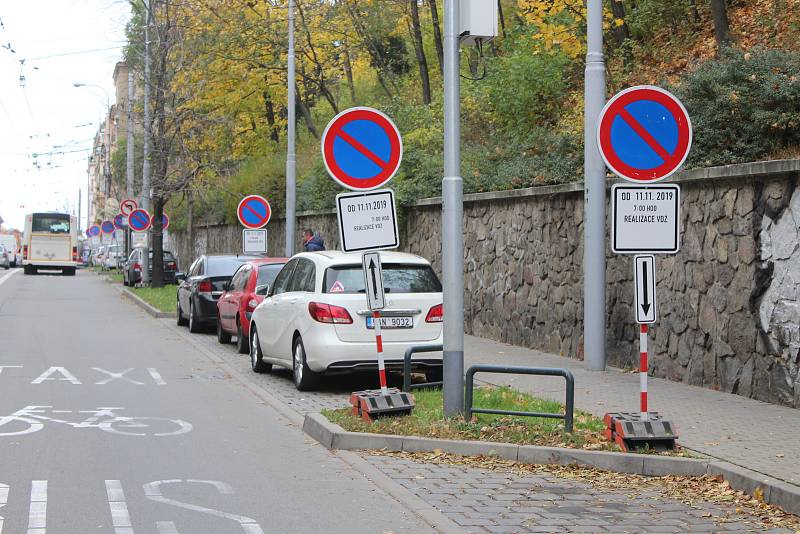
column 25, row 252
column 74, row 253
column 137, row 267
column 436, row 314
column 252, row 304
column 328, row 313
column 204, row 287
column 171, row 265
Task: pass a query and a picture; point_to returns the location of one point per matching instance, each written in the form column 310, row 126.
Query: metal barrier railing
column 540, row 371
column 407, row 385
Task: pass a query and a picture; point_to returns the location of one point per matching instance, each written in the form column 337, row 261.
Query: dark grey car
column 132, row 268
column 200, row 289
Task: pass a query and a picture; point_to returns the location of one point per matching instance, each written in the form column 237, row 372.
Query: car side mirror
column 262, row 290
column 180, row 277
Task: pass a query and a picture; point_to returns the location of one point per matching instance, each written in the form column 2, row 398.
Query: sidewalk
column 752, row 434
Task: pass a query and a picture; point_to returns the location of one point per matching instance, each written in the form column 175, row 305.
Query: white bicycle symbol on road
column 32, row 419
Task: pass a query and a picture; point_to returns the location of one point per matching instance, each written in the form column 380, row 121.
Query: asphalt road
column 110, row 423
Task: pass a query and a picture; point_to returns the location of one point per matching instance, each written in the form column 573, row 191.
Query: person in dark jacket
column 311, row 242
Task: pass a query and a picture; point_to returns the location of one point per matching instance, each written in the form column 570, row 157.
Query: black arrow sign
column 646, row 303
column 374, row 281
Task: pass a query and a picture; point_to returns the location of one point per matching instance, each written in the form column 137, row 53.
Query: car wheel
column 194, row 325
column 222, row 336
column 304, row 378
column 434, row 375
column 181, row 319
column 256, row 357
column 241, row 341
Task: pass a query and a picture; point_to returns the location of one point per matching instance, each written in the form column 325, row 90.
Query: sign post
column 644, row 136
column 362, row 150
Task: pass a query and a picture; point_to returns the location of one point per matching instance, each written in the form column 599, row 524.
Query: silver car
column 5, row 257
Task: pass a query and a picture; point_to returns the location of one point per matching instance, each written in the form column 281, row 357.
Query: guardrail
column 407, row 385
column 540, row 371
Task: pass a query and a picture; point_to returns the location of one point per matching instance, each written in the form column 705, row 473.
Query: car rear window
column 167, row 256
column 267, row 273
column 224, row 266
column 397, row 278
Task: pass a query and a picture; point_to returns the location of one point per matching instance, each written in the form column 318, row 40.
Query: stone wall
column 729, row 314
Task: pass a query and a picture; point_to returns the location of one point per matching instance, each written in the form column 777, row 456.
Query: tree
column 419, row 51
column 722, row 31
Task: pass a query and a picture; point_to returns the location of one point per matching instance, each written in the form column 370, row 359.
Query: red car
column 245, row 291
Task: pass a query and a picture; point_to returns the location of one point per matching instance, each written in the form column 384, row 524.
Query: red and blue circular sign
column 644, row 134
column 164, row 221
column 107, row 227
column 254, row 212
column 93, row 231
column 362, row 148
column 121, row 221
column 139, row 220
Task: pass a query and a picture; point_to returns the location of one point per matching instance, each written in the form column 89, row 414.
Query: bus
column 51, row 243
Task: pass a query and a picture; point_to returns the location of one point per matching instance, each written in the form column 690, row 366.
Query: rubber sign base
column 372, row 404
column 632, row 433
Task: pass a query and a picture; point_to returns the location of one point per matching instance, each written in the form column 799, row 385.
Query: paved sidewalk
column 752, row 434
column 484, row 501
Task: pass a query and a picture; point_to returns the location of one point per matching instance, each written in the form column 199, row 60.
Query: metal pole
column 594, row 221
column 80, row 201
column 145, row 203
column 291, row 161
column 452, row 212
column 130, row 141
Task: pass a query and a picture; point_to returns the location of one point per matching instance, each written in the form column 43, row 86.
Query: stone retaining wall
column 729, row 314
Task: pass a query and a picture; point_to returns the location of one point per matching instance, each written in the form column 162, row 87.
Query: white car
column 315, row 318
column 114, row 257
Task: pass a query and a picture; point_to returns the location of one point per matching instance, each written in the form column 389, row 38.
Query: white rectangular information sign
column 373, row 280
column 138, row 239
column 254, row 241
column 645, row 279
column 645, row 219
column 367, row 221
column 106, row 239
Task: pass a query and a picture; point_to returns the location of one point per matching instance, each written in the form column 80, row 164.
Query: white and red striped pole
column 376, row 320
column 643, row 370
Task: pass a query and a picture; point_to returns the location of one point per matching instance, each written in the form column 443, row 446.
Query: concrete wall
column 729, row 314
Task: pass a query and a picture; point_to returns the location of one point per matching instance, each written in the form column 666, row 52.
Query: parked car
column 85, row 257
column 201, row 287
column 5, row 257
column 315, row 318
column 114, row 257
column 132, row 267
column 97, row 256
column 245, row 291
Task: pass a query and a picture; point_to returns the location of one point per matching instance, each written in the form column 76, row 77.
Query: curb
column 146, row 306
column 775, row 492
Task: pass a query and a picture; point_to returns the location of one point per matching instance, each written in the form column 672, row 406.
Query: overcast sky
column 61, row 42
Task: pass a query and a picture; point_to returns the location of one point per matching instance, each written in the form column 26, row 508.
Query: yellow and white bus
column 51, row 242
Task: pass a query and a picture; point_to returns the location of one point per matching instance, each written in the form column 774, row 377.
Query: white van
column 10, row 241
column 51, row 242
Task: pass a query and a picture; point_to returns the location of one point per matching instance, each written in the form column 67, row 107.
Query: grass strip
column 162, row 298
column 427, row 420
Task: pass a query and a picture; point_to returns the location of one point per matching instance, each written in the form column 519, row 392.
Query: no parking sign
column 362, row 148
column 644, row 134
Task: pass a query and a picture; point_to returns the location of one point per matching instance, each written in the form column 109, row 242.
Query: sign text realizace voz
column 646, row 213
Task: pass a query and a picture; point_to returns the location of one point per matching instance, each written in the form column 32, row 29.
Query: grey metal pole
column 145, row 203
column 594, row 221
column 130, row 141
column 80, row 201
column 452, row 212
column 291, row 160
column 129, row 171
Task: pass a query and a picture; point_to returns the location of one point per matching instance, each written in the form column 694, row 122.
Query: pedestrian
column 311, row 242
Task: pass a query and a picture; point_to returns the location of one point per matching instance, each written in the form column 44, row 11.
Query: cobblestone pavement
column 503, row 502
column 487, row 501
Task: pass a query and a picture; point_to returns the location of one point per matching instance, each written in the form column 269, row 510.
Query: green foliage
column 649, row 17
column 744, row 106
